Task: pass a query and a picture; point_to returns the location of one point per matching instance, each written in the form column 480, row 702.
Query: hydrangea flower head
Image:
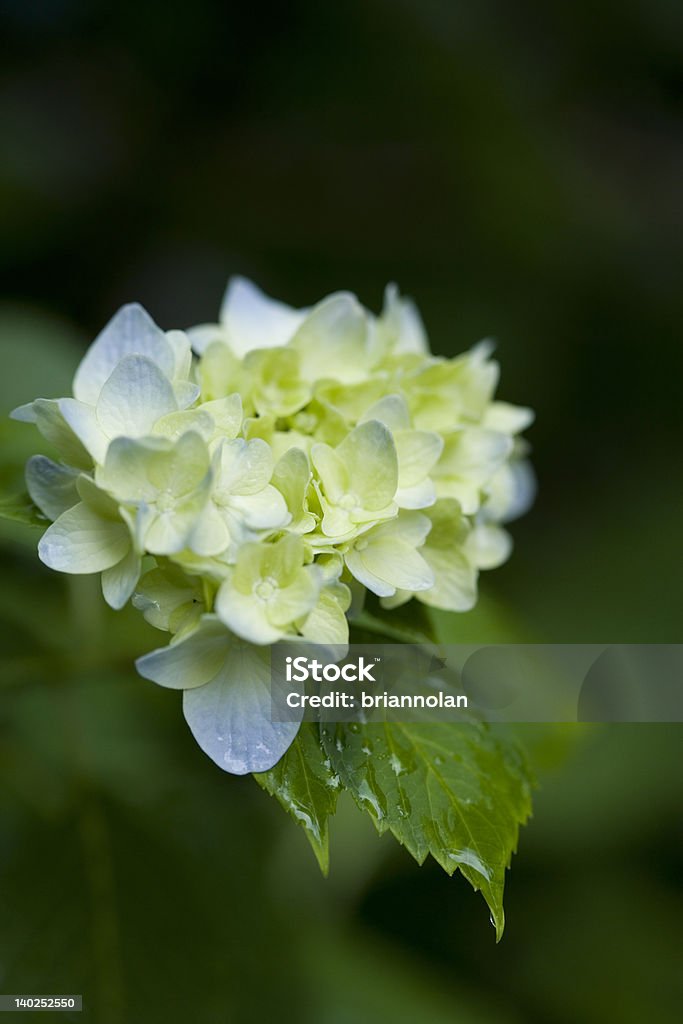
column 263, row 468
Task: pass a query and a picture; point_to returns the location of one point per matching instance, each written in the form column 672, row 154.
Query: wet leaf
column 451, row 790
column 306, row 786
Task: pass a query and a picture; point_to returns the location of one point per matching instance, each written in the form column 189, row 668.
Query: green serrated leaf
column 448, row 789
column 307, row 788
column 20, row 509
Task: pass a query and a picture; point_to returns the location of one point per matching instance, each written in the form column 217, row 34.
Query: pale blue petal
column 244, row 467
column 25, row 413
column 210, row 534
column 119, row 582
column 133, row 398
column 266, row 510
column 488, row 546
column 230, row 717
column 204, row 335
column 80, row 541
column 404, row 323
column 191, row 662
column 186, row 393
column 253, row 320
column 131, row 331
column 52, row 487
column 182, row 353
column 46, row 414
column 523, row 489
column 82, row 419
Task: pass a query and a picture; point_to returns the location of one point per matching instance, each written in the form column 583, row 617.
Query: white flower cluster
column 247, row 481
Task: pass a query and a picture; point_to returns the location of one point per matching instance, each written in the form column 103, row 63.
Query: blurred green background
column 516, row 168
